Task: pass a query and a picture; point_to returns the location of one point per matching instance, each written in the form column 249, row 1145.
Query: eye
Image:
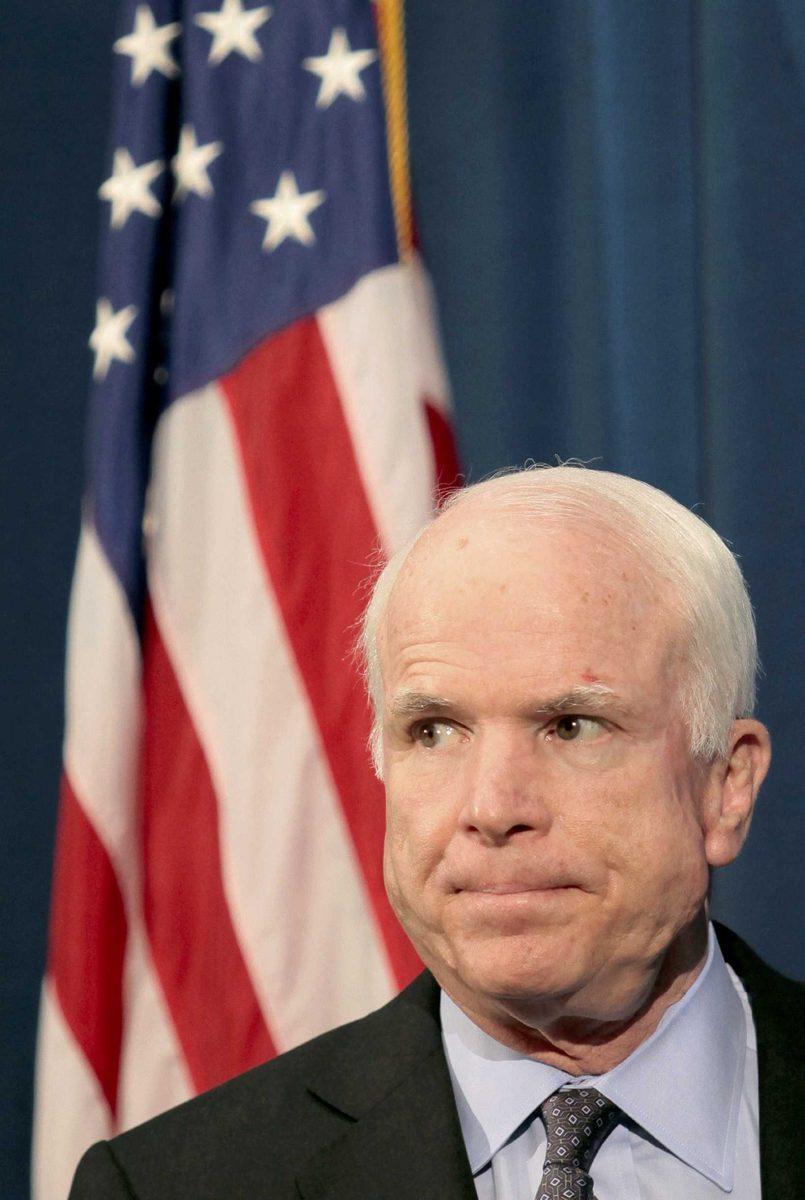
column 430, row 734
column 576, row 729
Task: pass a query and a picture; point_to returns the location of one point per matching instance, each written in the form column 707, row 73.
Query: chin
column 519, row 969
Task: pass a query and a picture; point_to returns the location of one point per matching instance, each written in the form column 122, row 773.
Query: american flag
column 268, row 417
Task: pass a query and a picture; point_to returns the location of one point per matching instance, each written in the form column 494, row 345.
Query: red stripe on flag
column 88, row 941
column 448, row 471
column 317, row 538
column 196, row 952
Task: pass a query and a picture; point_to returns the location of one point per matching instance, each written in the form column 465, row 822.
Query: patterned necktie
column 576, row 1123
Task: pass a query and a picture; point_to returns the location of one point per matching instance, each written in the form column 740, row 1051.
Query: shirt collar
column 698, row 1053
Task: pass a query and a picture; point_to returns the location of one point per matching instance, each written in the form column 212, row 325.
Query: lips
column 512, row 887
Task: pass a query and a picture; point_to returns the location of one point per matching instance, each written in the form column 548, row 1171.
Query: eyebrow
column 412, row 704
column 591, row 697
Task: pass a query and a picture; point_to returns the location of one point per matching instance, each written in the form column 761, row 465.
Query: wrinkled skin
column 549, row 835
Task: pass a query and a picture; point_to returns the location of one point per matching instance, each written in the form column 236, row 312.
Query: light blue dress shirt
column 689, row 1092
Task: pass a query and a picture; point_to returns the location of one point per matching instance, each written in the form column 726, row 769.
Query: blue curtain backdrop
column 611, row 199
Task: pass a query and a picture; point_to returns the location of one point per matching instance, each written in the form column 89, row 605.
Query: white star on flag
column 233, row 28
column 148, row 46
column 287, row 213
column 108, row 338
column 128, row 188
column 190, row 164
column 339, row 69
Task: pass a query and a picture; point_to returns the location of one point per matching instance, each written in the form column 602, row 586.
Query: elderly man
column 562, row 667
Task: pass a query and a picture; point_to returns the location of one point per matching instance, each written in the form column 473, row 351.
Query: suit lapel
column 404, row 1140
column 777, row 1012
column 408, row 1146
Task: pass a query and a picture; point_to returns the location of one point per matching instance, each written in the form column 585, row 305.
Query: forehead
column 524, row 602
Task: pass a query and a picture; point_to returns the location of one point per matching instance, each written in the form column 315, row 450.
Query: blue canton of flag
column 249, row 180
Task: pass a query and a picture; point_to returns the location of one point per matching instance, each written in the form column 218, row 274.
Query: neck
column 586, row 1045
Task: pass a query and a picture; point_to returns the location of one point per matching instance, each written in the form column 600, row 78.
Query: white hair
column 675, row 545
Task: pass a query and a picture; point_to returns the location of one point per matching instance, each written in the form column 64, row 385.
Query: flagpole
column 391, row 36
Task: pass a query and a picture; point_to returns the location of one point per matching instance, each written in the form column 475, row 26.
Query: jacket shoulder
column 248, row 1137
column 762, row 982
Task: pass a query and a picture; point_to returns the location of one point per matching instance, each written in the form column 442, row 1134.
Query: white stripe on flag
column 102, row 738
column 71, row 1111
column 382, row 348
column 293, row 884
column 153, row 1075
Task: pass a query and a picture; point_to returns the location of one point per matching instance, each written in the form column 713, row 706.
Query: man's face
column 544, row 841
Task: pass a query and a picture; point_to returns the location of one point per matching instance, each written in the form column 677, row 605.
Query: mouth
column 516, row 888
column 517, row 905
column 514, row 906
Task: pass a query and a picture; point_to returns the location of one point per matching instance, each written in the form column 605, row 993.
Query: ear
column 734, row 783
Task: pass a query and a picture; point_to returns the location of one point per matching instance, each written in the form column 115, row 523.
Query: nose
column 503, row 796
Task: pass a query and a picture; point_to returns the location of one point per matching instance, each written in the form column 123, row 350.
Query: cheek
column 417, row 830
column 652, row 849
column 413, row 850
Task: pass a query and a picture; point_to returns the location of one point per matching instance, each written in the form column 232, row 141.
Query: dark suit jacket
column 367, row 1113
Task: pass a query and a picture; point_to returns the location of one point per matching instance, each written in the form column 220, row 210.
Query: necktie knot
column 576, row 1123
